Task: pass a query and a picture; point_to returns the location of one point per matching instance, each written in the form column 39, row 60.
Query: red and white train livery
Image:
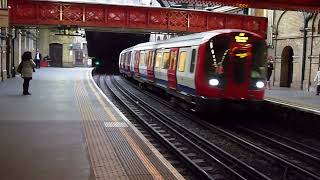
column 227, row 64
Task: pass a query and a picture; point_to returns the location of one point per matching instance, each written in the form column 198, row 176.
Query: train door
column 143, row 65
column 150, row 66
column 185, row 79
column 161, row 67
column 172, row 76
column 238, row 71
column 136, row 64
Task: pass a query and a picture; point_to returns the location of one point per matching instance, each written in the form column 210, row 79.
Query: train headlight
column 214, row 82
column 260, row 84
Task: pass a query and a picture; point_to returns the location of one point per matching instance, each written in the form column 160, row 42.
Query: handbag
column 19, row 69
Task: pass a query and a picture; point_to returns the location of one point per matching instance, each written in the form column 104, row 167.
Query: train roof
column 188, row 40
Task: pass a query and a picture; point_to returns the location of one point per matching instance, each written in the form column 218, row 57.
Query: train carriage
column 226, row 64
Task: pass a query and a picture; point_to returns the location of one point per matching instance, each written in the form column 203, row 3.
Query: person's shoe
column 317, row 94
column 27, row 93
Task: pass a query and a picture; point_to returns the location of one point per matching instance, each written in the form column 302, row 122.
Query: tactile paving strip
column 133, row 155
column 104, row 160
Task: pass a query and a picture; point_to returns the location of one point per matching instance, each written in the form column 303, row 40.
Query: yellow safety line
column 146, row 162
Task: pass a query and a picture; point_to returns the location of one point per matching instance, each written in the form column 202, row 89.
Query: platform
column 68, row 130
column 293, row 97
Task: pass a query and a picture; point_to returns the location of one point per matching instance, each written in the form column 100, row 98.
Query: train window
column 182, row 61
column 142, row 59
column 158, row 59
column 124, row 60
column 173, row 60
column 147, row 58
column 152, row 59
column 129, row 58
column 165, row 62
column 136, row 58
column 193, row 59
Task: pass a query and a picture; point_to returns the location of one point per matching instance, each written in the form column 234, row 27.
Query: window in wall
column 158, row 59
column 182, row 61
column 193, row 59
column 165, row 62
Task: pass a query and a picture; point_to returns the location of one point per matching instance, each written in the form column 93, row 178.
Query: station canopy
column 295, row 5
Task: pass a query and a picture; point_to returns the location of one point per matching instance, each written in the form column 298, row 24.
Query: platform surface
column 66, row 130
column 293, row 96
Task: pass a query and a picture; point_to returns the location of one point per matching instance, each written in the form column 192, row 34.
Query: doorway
column 55, row 53
column 286, row 67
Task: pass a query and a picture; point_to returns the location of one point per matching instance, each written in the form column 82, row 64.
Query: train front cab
column 232, row 67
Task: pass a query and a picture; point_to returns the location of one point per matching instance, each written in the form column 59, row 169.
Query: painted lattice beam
column 131, row 18
column 295, row 5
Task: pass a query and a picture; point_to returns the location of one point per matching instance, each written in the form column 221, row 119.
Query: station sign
column 4, row 17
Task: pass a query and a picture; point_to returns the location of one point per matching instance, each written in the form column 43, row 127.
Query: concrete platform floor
column 40, row 135
column 294, row 96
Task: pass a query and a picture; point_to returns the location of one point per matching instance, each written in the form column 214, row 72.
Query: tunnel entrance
column 108, row 45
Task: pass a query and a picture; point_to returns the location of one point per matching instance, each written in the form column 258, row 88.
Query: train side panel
column 185, row 75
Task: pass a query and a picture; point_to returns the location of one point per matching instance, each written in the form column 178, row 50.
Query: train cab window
column 217, row 57
column 193, row 59
column 158, row 59
column 165, row 62
column 182, row 61
column 259, row 56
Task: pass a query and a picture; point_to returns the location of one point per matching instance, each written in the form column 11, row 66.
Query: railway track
column 281, row 168
column 205, row 161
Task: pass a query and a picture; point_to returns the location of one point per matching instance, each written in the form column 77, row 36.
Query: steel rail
column 291, row 141
column 253, row 173
column 280, row 144
column 164, row 123
column 244, row 143
column 190, row 164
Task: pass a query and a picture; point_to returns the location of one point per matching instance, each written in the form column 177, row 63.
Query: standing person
column 37, row 59
column 27, row 70
column 269, row 70
column 317, row 80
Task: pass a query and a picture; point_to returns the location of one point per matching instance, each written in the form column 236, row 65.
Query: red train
column 228, row 64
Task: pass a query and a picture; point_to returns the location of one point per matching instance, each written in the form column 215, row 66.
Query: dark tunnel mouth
column 108, row 45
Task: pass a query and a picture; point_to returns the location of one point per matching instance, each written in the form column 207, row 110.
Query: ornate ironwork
column 35, row 13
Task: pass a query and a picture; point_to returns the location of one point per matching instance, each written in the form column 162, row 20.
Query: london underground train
column 227, row 64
